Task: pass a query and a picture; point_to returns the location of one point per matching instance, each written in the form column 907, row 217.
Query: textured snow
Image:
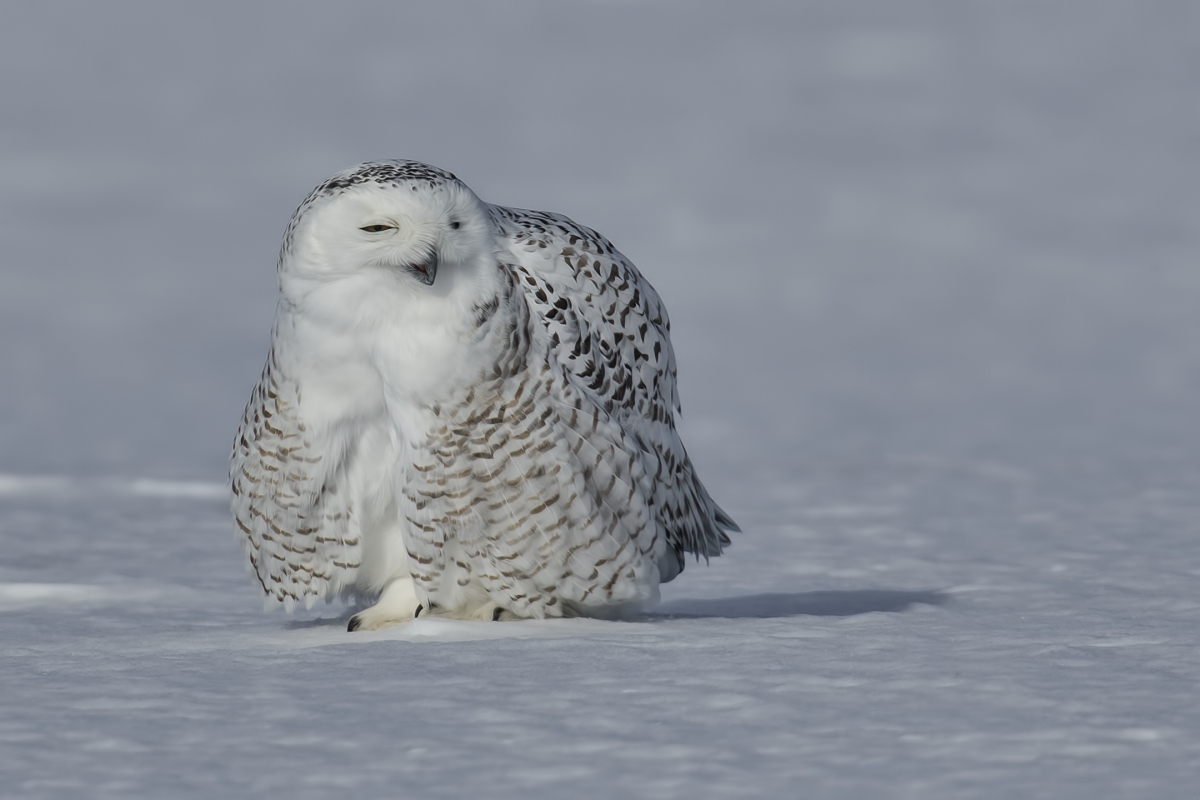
column 932, row 270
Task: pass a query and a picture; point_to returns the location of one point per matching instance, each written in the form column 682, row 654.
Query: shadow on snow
column 751, row 606
column 817, row 604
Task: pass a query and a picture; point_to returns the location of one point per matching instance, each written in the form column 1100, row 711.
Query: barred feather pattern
column 301, row 532
column 526, row 492
column 491, row 413
column 610, row 331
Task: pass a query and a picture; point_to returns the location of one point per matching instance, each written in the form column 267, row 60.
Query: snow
column 932, row 276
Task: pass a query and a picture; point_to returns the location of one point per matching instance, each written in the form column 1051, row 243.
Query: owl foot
column 397, row 603
column 496, row 613
column 487, row 612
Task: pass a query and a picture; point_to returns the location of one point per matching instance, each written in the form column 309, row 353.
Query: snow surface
column 932, row 269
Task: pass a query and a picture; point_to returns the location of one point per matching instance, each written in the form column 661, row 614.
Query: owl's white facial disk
column 391, row 276
column 399, row 231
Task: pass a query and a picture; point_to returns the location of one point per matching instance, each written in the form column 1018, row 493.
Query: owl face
column 405, row 231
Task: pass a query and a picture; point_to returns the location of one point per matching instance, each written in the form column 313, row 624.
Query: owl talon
column 393, row 607
column 539, row 339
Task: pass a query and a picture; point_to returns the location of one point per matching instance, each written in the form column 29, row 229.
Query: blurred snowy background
column 932, row 269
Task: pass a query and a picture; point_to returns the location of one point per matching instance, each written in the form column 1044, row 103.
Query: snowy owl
column 467, row 410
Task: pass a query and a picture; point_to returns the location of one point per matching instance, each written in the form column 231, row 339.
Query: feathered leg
column 397, row 603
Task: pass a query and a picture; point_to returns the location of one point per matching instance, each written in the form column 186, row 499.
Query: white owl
column 467, row 410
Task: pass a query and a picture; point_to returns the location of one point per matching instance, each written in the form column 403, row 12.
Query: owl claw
column 496, row 613
column 393, row 607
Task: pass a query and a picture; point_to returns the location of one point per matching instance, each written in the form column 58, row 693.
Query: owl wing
column 609, row 329
column 291, row 499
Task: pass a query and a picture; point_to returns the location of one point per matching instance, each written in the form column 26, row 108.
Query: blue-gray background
column 932, row 268
column 878, row 226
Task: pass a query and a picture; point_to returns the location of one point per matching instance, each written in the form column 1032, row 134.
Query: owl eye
column 377, row 228
column 454, row 225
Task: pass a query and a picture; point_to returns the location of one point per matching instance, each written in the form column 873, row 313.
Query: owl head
column 385, row 225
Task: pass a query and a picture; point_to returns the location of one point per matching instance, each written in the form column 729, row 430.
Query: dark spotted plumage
column 302, row 531
column 610, row 330
column 497, row 442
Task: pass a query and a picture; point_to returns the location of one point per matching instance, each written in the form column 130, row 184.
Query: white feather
column 470, row 405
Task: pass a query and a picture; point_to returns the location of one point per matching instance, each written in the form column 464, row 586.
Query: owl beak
column 427, row 271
